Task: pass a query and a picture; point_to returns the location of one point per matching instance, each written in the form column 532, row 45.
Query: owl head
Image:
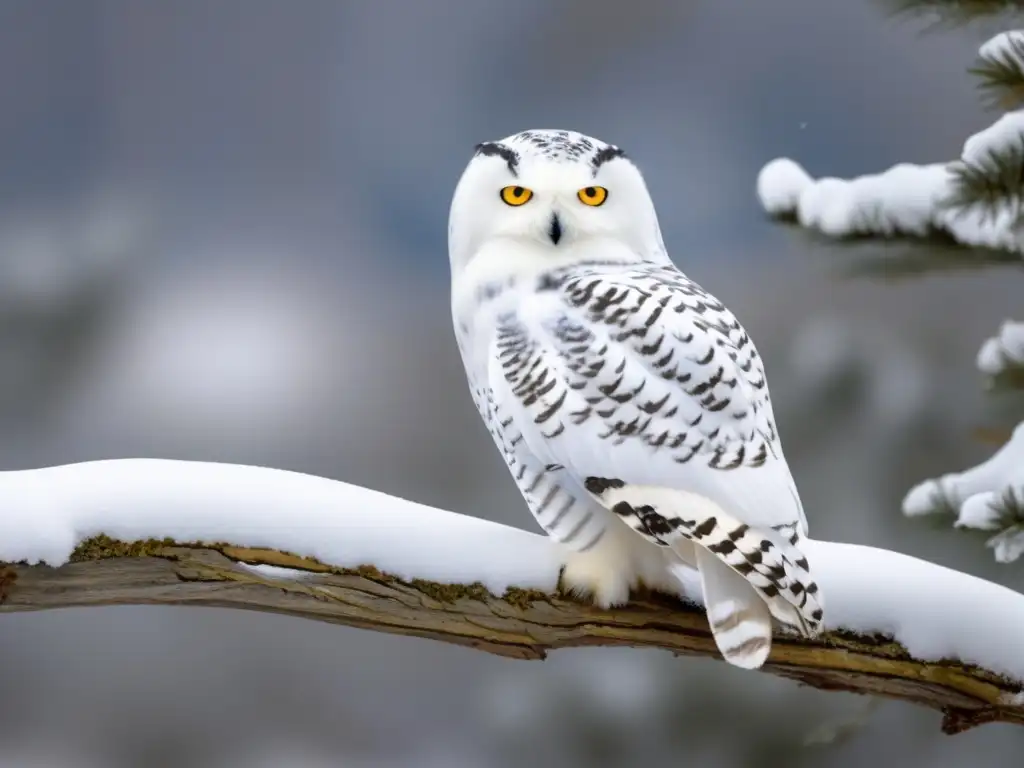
column 558, row 196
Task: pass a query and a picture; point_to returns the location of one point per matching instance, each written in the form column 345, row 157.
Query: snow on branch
column 1000, row 69
column 988, row 497
column 975, row 201
column 952, row 13
column 146, row 531
column 1001, row 357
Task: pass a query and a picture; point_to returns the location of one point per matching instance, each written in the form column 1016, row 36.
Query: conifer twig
column 944, row 14
column 1000, row 69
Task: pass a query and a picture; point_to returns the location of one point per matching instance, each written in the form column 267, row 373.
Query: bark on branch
column 521, row 624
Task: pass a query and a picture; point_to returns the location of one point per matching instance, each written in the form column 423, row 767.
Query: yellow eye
column 516, row 195
column 594, row 196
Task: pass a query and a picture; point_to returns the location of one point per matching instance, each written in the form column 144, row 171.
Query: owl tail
column 740, row 620
column 747, row 574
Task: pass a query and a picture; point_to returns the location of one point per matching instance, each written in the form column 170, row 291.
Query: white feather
column 740, row 621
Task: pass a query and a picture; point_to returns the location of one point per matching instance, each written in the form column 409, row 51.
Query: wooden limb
column 520, row 624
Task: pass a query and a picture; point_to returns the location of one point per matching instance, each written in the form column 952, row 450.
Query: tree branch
column 952, row 13
column 522, row 624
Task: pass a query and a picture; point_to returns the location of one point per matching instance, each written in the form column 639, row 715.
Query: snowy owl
column 629, row 404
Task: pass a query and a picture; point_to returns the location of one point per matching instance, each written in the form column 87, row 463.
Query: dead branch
column 520, row 624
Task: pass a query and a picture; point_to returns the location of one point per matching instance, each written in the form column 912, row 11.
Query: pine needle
column 1002, row 77
column 916, row 258
column 1009, row 508
column 900, row 257
column 946, row 14
column 991, row 185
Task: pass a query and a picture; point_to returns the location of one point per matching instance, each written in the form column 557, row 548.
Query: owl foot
column 604, row 574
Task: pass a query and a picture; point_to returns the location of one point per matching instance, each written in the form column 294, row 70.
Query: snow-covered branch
column 1001, row 357
column 1000, row 69
column 988, row 497
column 975, row 200
column 187, row 533
column 952, row 13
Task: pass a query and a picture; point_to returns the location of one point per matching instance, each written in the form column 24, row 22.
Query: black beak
column 555, row 229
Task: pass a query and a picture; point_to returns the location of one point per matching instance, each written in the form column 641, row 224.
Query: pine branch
column 989, row 184
column 902, row 256
column 988, row 497
column 903, row 259
column 975, row 201
column 947, row 14
column 1000, row 68
column 913, row 214
column 1007, row 509
column 1005, row 514
column 520, row 624
column 1001, row 357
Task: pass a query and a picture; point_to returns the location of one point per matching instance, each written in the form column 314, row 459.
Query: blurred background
column 215, row 213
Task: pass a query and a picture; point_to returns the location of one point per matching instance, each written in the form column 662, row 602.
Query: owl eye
column 593, row 196
column 516, row 195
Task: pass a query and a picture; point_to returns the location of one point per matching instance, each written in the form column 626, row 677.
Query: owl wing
column 558, row 502
column 646, row 391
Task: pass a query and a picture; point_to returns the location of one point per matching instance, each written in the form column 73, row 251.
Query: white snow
column 903, row 200
column 906, row 199
column 978, row 496
column 1008, row 546
column 935, row 612
column 276, row 571
column 780, row 184
column 1003, row 47
column 1007, row 131
column 1005, row 350
column 44, row 513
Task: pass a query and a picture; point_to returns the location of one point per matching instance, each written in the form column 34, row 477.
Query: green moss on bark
column 102, row 547
column 524, row 598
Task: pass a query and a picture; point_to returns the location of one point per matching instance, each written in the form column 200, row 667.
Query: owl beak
column 555, row 229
